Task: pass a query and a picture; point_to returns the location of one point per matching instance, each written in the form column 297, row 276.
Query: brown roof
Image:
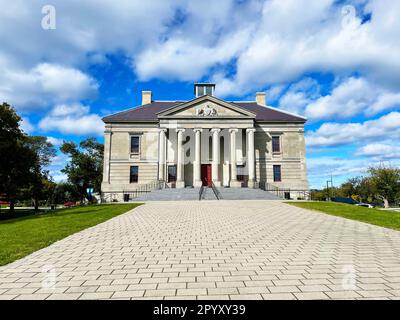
column 149, row 112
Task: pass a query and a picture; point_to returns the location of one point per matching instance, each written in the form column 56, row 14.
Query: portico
column 192, row 152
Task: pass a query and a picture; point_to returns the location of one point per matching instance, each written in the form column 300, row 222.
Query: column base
column 198, row 184
column 180, row 184
column 235, row 184
column 217, row 183
column 251, row 183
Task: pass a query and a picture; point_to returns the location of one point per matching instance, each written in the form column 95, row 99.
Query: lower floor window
column 172, row 173
column 277, row 173
column 241, row 173
column 134, row 174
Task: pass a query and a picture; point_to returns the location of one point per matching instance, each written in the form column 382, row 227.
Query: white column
column 197, row 161
column 233, row 181
column 162, row 155
column 107, row 153
column 250, row 156
column 180, row 183
column 215, row 157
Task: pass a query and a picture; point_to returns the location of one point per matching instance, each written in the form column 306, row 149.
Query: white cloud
column 350, row 97
column 379, row 151
column 26, row 125
column 337, row 134
column 44, row 85
column 72, row 119
column 55, row 141
column 340, row 168
column 317, row 39
column 185, row 59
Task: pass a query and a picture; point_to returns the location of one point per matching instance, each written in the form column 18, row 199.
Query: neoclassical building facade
column 202, row 141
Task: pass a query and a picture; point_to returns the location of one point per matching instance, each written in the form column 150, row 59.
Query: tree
column 44, row 151
column 16, row 157
column 85, row 168
column 386, row 183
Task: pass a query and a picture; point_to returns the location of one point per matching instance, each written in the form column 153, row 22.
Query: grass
column 387, row 219
column 22, row 236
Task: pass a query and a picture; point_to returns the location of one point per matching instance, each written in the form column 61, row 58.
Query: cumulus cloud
column 320, row 37
column 44, row 85
column 74, row 119
column 379, row 151
column 339, row 134
column 351, row 97
column 26, row 125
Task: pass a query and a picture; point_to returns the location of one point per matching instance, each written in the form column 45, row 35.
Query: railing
column 216, row 192
column 201, row 192
column 276, row 190
column 299, row 194
column 145, row 188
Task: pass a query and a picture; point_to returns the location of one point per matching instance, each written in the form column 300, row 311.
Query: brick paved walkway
column 213, row 250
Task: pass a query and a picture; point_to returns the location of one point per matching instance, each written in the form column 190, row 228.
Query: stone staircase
column 208, row 194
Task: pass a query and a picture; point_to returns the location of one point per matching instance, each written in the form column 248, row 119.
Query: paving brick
column 168, row 250
column 311, row 296
column 278, row 296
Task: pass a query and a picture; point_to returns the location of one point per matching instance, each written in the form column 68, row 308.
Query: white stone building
column 204, row 140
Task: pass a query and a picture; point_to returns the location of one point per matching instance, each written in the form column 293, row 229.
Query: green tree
column 44, row 151
column 386, row 183
column 16, row 157
column 85, row 168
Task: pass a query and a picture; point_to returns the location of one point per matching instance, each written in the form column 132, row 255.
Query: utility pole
column 327, row 187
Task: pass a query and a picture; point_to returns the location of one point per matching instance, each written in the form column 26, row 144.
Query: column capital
column 250, row 130
column 215, row 130
column 233, row 130
column 162, row 130
column 180, row 130
column 198, row 130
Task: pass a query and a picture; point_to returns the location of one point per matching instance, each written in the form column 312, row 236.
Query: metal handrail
column 215, row 190
column 201, row 192
column 274, row 189
column 148, row 187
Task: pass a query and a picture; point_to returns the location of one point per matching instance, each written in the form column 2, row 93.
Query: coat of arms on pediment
column 207, row 111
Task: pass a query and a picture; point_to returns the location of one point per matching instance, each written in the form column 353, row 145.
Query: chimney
column 146, row 97
column 261, row 98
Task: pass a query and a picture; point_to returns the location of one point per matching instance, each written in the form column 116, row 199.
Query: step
column 208, row 194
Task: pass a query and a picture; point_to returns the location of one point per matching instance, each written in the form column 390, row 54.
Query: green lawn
column 20, row 237
column 388, row 219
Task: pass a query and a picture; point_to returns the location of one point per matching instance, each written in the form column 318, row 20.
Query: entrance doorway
column 206, row 177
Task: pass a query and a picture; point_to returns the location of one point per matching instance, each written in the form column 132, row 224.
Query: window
column 277, row 173
column 201, row 89
column 134, row 174
column 135, row 144
column 276, row 145
column 241, row 173
column 172, row 173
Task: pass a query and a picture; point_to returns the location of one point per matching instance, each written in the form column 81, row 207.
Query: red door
column 206, row 174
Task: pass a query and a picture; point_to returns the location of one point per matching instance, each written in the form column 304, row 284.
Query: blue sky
column 335, row 62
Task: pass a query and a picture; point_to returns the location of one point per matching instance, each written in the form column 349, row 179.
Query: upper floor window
column 135, row 144
column 134, row 174
column 277, row 173
column 276, row 144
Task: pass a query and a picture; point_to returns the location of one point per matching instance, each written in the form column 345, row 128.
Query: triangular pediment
column 206, row 107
